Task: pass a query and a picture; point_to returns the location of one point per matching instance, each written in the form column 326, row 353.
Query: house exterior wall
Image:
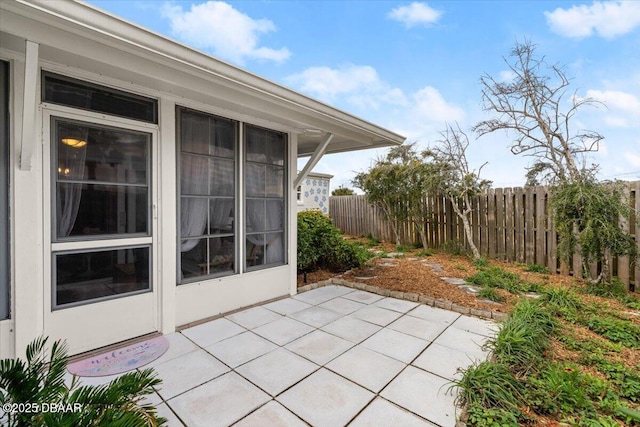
column 31, row 244
column 76, row 41
column 314, row 193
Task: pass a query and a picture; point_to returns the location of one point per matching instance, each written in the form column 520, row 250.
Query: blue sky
column 412, row 67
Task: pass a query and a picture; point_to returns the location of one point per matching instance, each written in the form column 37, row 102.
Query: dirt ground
column 412, row 274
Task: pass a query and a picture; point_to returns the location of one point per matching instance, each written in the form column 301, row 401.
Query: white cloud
column 360, row 85
column 633, row 159
column 431, row 106
column 609, row 19
column 415, row 14
column 228, row 33
column 623, row 109
column 507, row 76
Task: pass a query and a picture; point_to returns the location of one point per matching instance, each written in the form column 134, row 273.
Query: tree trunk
column 465, row 222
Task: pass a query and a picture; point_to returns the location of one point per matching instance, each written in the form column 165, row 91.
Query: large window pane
column 5, row 288
column 207, row 189
column 265, row 215
column 102, row 180
column 101, row 209
column 100, row 274
column 207, row 256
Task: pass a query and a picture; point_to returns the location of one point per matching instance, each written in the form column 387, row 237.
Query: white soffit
column 121, row 50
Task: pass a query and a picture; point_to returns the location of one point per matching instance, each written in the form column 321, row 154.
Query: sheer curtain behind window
column 71, row 166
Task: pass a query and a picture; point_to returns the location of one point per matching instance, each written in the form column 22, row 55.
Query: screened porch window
column 265, row 179
column 207, row 195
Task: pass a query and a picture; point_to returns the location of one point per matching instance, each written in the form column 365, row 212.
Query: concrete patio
column 332, row 356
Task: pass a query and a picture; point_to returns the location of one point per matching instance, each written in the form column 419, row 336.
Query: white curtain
column 193, row 211
column 71, row 165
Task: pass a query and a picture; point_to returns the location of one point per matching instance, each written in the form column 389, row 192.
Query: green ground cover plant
column 522, row 383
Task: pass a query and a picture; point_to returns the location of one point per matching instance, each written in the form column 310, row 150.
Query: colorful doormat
column 121, row 360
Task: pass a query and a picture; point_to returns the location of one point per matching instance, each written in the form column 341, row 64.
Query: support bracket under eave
column 314, row 159
column 29, row 103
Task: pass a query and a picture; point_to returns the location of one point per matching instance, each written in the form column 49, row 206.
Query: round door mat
column 120, row 360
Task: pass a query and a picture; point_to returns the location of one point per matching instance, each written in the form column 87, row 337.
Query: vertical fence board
column 540, row 233
column 530, row 243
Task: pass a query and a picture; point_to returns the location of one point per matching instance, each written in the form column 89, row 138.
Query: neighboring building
column 145, row 185
column 314, row 192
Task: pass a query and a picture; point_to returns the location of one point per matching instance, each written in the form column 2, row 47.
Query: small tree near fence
column 453, row 178
column 397, row 184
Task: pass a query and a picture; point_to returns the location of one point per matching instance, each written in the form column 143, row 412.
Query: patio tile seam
column 274, row 397
column 265, row 404
column 397, row 406
column 408, row 296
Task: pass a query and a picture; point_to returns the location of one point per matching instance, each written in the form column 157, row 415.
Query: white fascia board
column 87, row 21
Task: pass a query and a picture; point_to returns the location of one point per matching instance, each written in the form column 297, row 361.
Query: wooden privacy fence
column 512, row 224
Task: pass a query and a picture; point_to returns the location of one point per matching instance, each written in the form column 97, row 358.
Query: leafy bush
column 561, row 302
column 560, row 388
column 41, row 380
column 480, row 263
column 320, row 245
column 491, row 417
column 616, row 330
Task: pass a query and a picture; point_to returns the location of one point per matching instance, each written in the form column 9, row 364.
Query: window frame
column 5, row 188
column 54, row 118
column 180, row 280
column 284, row 198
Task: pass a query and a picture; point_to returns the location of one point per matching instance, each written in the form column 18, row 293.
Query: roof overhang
column 90, row 39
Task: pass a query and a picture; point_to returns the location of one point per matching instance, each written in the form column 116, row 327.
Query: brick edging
column 409, row 296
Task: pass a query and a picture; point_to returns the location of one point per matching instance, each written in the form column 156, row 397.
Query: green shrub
column 426, row 252
column 320, row 245
column 561, row 302
column 617, row 330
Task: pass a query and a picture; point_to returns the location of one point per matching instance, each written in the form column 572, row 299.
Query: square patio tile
column 283, row 331
column 276, row 371
column 382, row 413
column 187, row 371
column 376, row 315
column 220, row 402
column 316, row 316
column 342, row 305
column 326, row 399
column 253, row 317
column 445, row 361
column 424, row 394
column 211, row 332
column 178, row 345
column 319, row 347
column 418, row 328
column 286, row 306
column 241, row 348
column 320, row 295
column 363, row 297
column 396, row 304
column 434, row 314
column 272, row 414
column 172, row 420
column 366, row 367
column 475, row 325
column 395, row 344
column 460, row 340
column 352, row 329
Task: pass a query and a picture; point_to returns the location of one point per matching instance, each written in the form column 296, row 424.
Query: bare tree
column 454, row 179
column 535, row 104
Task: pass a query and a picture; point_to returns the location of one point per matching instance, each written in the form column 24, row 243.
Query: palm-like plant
column 41, row 381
